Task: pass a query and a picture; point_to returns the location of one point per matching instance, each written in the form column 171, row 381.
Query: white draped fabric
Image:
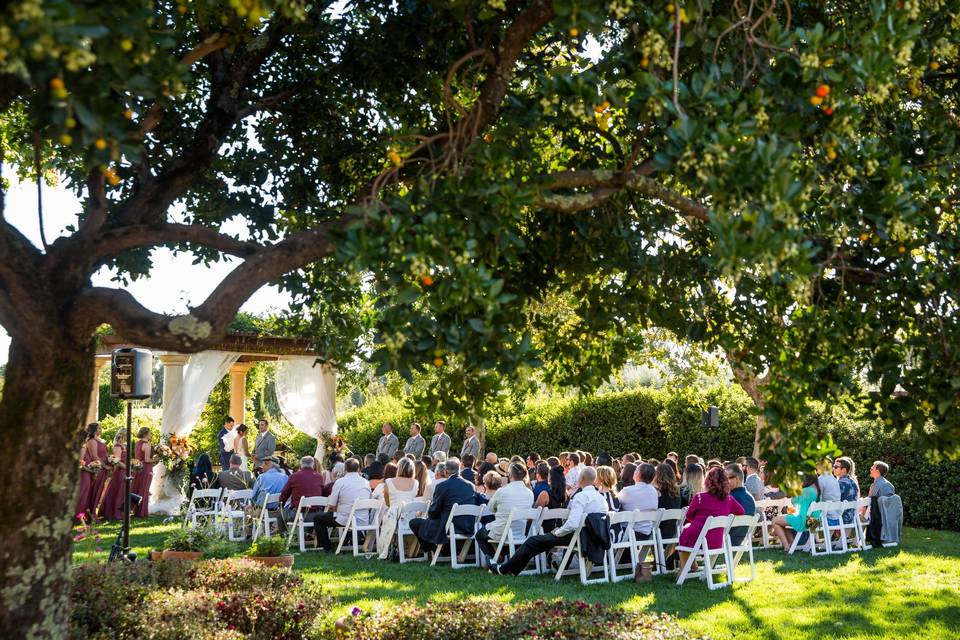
column 180, row 416
column 307, row 395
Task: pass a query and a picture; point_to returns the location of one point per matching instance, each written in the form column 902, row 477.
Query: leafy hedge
column 653, row 422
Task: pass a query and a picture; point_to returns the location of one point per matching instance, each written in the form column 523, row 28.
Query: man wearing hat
column 270, row 480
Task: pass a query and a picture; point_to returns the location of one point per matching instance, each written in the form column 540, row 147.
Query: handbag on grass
column 644, row 572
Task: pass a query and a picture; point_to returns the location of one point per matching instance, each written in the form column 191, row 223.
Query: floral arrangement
column 136, row 465
column 113, row 460
column 174, row 452
column 268, row 546
column 93, row 467
column 813, row 523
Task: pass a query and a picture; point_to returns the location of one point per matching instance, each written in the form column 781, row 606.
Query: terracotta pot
column 156, row 554
column 170, row 554
column 274, row 561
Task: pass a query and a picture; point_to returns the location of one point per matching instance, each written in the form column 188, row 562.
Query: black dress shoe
column 495, row 569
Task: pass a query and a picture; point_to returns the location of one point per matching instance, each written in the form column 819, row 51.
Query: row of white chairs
column 225, row 510
column 834, row 536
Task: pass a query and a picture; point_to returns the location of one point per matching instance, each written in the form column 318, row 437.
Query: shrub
column 268, row 546
column 142, row 417
column 681, row 419
column 360, row 427
column 204, row 600
column 192, row 539
column 493, row 620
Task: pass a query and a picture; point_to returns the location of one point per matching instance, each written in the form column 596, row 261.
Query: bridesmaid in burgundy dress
column 141, row 481
column 88, row 454
column 100, row 479
column 111, row 505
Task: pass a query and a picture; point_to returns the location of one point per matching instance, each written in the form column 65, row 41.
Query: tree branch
column 607, row 183
column 207, row 323
column 113, row 241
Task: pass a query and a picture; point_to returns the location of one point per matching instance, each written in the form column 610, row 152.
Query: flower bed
column 494, row 620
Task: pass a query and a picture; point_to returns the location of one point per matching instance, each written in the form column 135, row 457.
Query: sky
column 174, row 284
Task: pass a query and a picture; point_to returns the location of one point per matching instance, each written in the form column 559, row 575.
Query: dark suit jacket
column 237, row 480
column 453, row 490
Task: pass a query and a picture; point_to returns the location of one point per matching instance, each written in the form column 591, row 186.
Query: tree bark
column 48, row 384
column 753, row 385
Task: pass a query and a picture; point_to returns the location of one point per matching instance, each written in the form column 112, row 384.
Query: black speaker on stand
column 710, row 420
column 131, row 378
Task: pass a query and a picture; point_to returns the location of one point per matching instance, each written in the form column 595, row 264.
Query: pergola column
column 173, row 364
column 238, row 390
column 93, row 408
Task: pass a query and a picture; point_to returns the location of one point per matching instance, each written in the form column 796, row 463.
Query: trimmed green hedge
column 653, row 422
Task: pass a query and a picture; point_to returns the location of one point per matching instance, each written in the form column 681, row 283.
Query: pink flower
column 356, row 611
column 79, row 537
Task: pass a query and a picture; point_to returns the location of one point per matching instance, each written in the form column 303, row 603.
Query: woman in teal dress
column 784, row 526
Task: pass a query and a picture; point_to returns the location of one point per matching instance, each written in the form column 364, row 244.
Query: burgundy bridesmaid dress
column 99, row 481
column 142, row 480
column 111, row 506
column 86, row 488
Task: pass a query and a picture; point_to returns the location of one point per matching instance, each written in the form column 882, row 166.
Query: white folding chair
column 301, row 522
column 232, row 510
column 863, row 521
column 736, row 551
column 641, row 546
column 520, row 525
column 813, row 541
column 710, row 564
column 766, row 523
column 622, row 542
column 669, row 515
column 839, row 528
column 373, row 507
column 408, row 512
column 575, row 550
column 558, row 516
column 263, row 522
column 459, row 560
column 203, row 508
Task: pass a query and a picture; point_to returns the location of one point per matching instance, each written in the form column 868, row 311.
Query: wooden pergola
column 252, row 348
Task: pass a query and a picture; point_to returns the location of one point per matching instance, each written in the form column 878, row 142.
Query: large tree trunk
column 753, row 385
column 45, row 398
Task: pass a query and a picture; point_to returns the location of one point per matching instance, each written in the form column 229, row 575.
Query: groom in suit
column 431, row 531
column 224, row 454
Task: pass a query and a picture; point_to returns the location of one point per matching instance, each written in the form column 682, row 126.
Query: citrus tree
column 777, row 179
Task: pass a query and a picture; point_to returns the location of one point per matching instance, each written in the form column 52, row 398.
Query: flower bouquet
column 94, row 467
column 812, row 523
column 113, row 461
column 174, row 453
column 136, row 465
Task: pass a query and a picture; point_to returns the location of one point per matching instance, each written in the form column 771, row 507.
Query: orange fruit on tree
column 816, row 100
column 823, row 91
column 100, row 144
column 427, row 280
column 56, row 83
column 438, row 361
column 574, row 32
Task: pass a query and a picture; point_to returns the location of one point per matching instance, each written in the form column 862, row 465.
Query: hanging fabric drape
column 180, row 416
column 307, row 395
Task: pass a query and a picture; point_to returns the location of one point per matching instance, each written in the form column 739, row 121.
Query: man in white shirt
column 439, row 475
column 640, row 497
column 588, row 500
column 346, row 490
column 573, row 467
column 516, row 495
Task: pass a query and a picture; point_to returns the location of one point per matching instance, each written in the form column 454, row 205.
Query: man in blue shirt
column 735, row 477
column 270, row 480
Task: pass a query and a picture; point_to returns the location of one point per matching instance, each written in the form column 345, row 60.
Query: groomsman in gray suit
column 471, row 446
column 440, row 441
column 415, row 443
column 264, row 446
column 388, row 443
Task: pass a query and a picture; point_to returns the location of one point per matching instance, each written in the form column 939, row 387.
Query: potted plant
column 271, row 551
column 185, row 544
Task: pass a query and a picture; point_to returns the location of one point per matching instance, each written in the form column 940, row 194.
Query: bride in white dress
column 397, row 491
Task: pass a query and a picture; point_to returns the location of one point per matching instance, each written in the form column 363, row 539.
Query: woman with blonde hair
column 397, row 491
column 111, row 505
column 607, row 486
column 692, row 483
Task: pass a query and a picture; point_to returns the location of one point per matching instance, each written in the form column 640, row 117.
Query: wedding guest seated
column 829, row 489
column 714, row 500
column 484, row 468
column 586, row 501
column 468, row 472
column 235, row 478
column 753, row 483
column 270, row 480
column 668, row 497
column 553, row 461
column 202, row 476
column 486, row 491
column 389, row 471
column 439, row 475
column 848, row 488
column 607, row 486
column 886, row 509
column 604, row 459
column 670, row 462
column 735, row 478
column 641, row 496
column 573, row 468
column 627, row 474
column 338, row 471
column 375, row 474
column 492, row 458
column 368, row 460
column 303, row 483
column 541, row 488
column 383, row 459
column 692, row 483
column 533, row 459
column 422, row 475
column 516, row 494
column 784, row 526
column 346, row 490
column 431, row 531
column 881, row 486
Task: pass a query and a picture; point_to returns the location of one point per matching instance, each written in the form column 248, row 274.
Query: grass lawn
column 909, row 592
